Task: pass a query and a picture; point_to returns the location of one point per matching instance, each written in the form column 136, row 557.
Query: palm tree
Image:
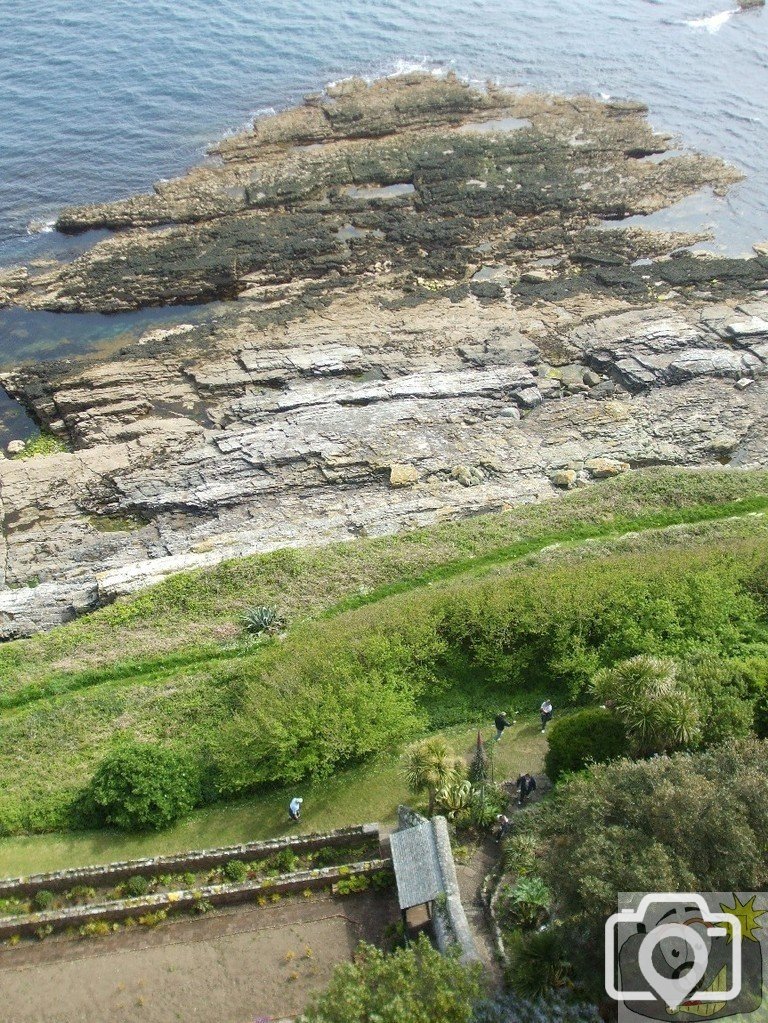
column 658, row 712
column 431, row 765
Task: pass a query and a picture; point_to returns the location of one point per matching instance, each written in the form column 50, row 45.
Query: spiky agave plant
column 261, row 620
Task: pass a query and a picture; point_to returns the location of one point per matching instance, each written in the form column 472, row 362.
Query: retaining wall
column 217, row 895
column 205, row 859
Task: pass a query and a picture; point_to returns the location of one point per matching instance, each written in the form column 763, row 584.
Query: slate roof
column 417, row 868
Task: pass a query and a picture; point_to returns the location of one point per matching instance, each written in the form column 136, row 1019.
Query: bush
column 141, row 785
column 592, row 735
column 43, row 900
column 80, row 893
column 235, row 871
column 687, row 822
column 526, row 903
column 135, row 887
column 537, row 962
column 410, row 985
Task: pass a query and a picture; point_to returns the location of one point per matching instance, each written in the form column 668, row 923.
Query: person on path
column 546, row 713
column 505, row 825
column 294, row 808
column 501, row 721
column 525, row 785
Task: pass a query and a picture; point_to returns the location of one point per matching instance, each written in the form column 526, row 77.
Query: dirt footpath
column 233, row 967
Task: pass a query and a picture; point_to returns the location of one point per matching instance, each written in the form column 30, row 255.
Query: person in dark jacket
column 525, row 785
column 501, row 721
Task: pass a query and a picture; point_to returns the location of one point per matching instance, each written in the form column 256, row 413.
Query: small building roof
column 417, row 867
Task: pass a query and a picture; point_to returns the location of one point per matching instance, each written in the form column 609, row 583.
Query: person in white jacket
column 294, row 808
column 546, row 713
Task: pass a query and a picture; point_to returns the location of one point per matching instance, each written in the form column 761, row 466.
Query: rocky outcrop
column 391, row 361
column 411, row 173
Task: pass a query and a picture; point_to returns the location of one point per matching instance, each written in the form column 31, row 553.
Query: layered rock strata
column 395, row 356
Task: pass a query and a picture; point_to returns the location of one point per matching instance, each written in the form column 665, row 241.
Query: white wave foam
column 41, row 226
column 713, row 23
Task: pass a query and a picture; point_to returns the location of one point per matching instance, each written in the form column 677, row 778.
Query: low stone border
column 202, row 859
column 217, row 895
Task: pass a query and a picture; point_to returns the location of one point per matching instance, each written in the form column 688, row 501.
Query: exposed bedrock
column 395, row 357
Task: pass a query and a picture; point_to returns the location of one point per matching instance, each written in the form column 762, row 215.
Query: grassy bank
column 418, row 647
column 368, row 792
column 202, row 609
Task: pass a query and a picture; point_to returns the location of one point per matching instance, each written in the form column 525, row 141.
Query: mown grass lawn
column 370, row 792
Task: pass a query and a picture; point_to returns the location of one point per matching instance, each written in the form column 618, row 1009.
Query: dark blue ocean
column 100, row 98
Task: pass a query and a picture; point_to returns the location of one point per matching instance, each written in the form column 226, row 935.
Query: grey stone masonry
column 425, row 872
column 216, row 894
column 200, row 859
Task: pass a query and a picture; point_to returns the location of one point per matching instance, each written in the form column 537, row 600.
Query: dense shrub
column 43, row 900
column 687, row 822
column 538, row 962
column 142, row 785
column 235, row 871
column 591, row 735
column 411, row 985
column 135, row 887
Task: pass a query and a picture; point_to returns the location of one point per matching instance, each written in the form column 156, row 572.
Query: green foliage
column 357, row 680
column 526, row 903
column 42, row 444
column 262, row 620
column 94, row 929
column 13, row 907
column 135, row 887
column 431, row 765
column 286, row 860
column 658, row 712
column 153, row 919
column 538, row 962
column 142, row 785
column 352, row 885
column 455, row 799
column 80, row 893
column 412, row 985
column 487, row 803
column 43, row 900
column 593, row 735
column 687, row 822
column 235, row 871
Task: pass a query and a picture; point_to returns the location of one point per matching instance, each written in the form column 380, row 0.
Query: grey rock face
column 377, row 391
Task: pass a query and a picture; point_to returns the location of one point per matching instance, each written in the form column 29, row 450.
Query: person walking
column 546, row 713
column 525, row 785
column 294, row 808
column 504, row 824
column 501, row 721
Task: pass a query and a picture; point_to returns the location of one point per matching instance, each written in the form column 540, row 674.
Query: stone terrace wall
column 219, row 894
column 99, row 876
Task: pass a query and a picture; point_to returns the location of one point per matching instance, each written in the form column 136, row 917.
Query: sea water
column 100, row 98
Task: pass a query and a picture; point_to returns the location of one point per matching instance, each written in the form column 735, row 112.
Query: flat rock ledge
column 390, row 357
